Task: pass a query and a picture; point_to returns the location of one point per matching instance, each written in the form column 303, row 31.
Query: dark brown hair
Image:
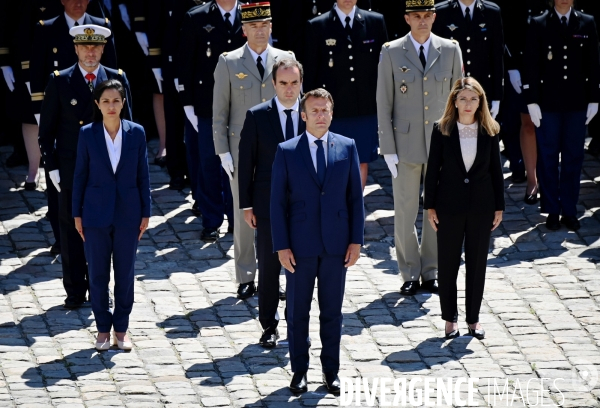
column 99, row 90
column 316, row 93
column 287, row 63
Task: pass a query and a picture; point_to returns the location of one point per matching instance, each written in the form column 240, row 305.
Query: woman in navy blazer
column 464, row 196
column 111, row 207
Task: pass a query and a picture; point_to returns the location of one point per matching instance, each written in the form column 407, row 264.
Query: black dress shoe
column 16, row 159
column 30, row 186
column 430, row 285
column 331, row 382
column 209, row 234
column 160, row 161
column 246, row 290
column 73, row 302
column 453, row 334
column 531, row 199
column 552, row 222
column 299, row 384
column 269, row 338
column 177, row 183
column 478, row 334
column 282, row 295
column 518, row 178
column 571, row 222
column 55, row 249
column 410, row 288
column 196, row 209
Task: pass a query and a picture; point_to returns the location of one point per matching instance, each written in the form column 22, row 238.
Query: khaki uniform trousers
column 244, row 252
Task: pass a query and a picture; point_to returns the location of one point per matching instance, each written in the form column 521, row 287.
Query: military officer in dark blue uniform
column 207, row 32
column 67, row 106
column 165, row 18
column 392, row 12
column 344, row 48
column 561, row 87
column 477, row 26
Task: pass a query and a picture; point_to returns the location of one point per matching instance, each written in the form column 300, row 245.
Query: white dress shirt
column 95, row 72
column 231, row 12
column 568, row 15
column 71, row 22
column 464, row 8
column 283, row 116
column 263, row 55
column 418, row 46
column 343, row 16
column 312, row 146
column 468, row 143
column 114, row 148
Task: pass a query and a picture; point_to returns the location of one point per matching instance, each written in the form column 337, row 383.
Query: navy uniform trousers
column 331, row 274
column 100, row 244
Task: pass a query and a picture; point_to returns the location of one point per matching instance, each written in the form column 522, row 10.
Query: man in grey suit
column 242, row 80
column 415, row 75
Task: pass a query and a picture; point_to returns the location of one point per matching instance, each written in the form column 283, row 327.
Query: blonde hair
column 482, row 115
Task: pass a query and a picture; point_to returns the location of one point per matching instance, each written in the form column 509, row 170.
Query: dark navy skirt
column 363, row 129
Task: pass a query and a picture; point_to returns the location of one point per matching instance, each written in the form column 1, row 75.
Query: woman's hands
column 433, row 218
column 497, row 219
column 143, row 227
column 79, row 227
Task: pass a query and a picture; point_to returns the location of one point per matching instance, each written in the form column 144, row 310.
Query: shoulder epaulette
column 56, row 73
column 454, row 41
column 386, row 45
column 291, row 52
column 120, row 72
column 41, row 22
column 225, row 54
column 106, row 19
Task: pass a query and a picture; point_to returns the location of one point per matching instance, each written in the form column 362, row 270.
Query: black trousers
column 52, row 213
column 174, row 121
column 74, row 266
column 475, row 231
column 594, row 132
column 268, row 277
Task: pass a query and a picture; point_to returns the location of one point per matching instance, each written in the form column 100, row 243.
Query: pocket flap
column 402, row 126
column 443, row 76
column 406, row 77
column 247, row 84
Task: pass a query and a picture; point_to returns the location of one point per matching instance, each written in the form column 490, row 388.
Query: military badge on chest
column 331, row 42
column 403, row 88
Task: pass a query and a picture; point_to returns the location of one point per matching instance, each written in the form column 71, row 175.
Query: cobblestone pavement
column 196, row 344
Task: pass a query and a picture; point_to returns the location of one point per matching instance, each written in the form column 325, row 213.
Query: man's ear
column 303, row 115
column 406, row 19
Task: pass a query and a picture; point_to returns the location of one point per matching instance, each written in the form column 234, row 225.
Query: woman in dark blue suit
column 111, row 207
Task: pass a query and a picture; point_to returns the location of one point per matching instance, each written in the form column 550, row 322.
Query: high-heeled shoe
column 479, row 334
column 453, row 334
column 103, row 345
column 123, row 345
column 531, row 199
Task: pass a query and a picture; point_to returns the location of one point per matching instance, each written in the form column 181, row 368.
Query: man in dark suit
column 344, row 48
column 317, row 222
column 207, row 32
column 561, row 88
column 267, row 125
column 67, row 106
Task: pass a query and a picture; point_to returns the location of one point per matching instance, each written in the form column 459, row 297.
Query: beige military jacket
column 409, row 98
column 238, row 87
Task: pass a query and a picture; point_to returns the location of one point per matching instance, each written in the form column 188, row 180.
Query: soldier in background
column 207, row 32
column 390, row 10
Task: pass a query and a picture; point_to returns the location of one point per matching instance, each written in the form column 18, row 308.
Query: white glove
column 125, row 15
column 515, row 79
column 9, row 77
column 392, row 161
column 176, row 80
column 159, row 78
column 143, row 41
column 535, row 113
column 37, row 118
column 191, row 115
column 227, row 163
column 28, row 84
column 495, row 109
column 55, row 177
column 592, row 111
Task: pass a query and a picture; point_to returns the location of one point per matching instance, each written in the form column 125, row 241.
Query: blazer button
column 466, row 181
column 322, row 192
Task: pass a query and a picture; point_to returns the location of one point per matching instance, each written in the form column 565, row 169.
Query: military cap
column 254, row 12
column 419, row 5
column 89, row 34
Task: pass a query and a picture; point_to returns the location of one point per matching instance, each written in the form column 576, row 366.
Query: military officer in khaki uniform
column 416, row 73
column 242, row 80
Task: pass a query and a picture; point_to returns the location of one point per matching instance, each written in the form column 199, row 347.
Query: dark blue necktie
column 289, row 125
column 320, row 161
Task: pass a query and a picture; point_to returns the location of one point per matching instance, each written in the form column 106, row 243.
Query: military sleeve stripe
column 24, row 64
column 139, row 19
column 4, row 51
column 37, row 98
column 154, row 52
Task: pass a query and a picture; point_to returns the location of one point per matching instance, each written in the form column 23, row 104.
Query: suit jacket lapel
column 305, row 153
column 98, row 130
column 250, row 64
column 301, row 125
column 455, row 141
column 331, row 156
column 126, row 135
column 81, row 89
column 434, row 52
column 275, row 121
column 411, row 53
column 359, row 30
column 482, row 139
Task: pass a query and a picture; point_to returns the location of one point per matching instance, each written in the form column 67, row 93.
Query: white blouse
column 468, row 143
column 114, row 148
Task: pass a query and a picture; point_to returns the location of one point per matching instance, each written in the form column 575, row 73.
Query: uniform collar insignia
column 43, row 9
column 331, row 42
column 198, row 2
column 241, row 75
column 404, row 69
column 452, row 27
column 208, row 28
column 482, row 25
